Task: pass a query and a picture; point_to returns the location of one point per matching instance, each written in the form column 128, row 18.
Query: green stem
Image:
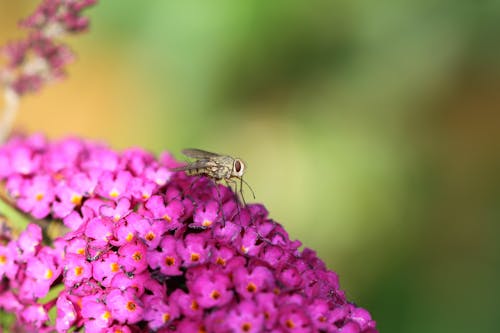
column 15, row 218
column 11, row 105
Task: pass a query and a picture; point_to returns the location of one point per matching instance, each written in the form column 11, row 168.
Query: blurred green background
column 371, row 130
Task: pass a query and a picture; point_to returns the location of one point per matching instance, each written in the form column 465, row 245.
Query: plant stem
column 11, row 106
column 15, row 218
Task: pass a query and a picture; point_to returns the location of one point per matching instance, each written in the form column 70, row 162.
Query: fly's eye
column 237, row 166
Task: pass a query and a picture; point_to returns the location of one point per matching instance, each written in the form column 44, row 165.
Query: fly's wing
column 199, row 154
column 190, row 166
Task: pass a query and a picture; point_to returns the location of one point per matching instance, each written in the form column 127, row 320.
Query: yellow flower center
column 76, row 199
column 49, row 274
column 194, row 305
column 106, row 315
column 246, row 327
column 170, row 261
column 131, row 306
column 58, row 176
column 215, row 294
column 251, row 287
column 150, row 236
column 137, row 256
column 78, row 270
column 114, row 267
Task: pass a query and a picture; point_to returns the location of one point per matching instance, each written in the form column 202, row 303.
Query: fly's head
column 238, row 168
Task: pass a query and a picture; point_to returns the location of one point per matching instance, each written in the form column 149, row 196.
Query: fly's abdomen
column 194, row 172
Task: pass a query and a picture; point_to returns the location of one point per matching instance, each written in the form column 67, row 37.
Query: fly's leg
column 220, row 204
column 241, row 192
column 235, row 192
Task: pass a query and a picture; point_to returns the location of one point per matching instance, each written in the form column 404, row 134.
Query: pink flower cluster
column 40, row 58
column 152, row 250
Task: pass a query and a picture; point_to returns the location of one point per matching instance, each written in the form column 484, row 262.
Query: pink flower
column 36, row 196
column 248, row 284
column 178, row 259
column 171, row 213
column 76, row 270
column 8, row 264
column 148, row 230
column 246, row 317
column 96, row 314
column 66, row 313
column 167, row 259
column 206, row 214
column 43, row 270
column 34, row 315
column 160, row 313
column 71, row 194
column 125, row 306
column 132, row 257
column 210, row 289
column 118, row 211
column 113, row 186
column 194, row 250
column 29, row 241
column 24, row 161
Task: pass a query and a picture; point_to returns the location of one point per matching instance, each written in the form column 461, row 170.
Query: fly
column 215, row 166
